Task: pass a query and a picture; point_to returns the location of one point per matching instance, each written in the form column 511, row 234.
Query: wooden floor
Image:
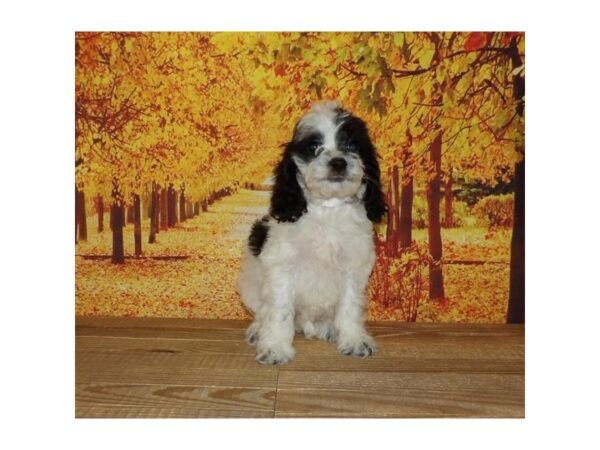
column 128, row 367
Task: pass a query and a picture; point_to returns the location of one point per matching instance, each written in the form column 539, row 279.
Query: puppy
column 306, row 265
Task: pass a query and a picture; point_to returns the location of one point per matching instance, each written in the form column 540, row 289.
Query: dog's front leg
column 353, row 338
column 276, row 332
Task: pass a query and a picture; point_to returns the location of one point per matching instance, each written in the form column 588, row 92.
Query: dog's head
column 330, row 156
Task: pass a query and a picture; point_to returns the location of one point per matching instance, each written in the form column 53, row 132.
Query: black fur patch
column 258, row 236
column 305, row 147
column 287, row 200
column 353, row 135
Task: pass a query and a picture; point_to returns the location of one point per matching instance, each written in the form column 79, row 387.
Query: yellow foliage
column 206, row 111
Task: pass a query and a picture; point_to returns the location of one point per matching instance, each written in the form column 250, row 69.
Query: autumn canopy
column 165, row 118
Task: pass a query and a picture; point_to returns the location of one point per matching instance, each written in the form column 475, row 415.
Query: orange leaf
column 475, row 41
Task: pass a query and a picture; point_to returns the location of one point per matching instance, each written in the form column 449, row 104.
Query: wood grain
column 169, row 361
column 176, row 328
column 188, row 401
column 126, row 412
column 146, row 367
column 391, row 394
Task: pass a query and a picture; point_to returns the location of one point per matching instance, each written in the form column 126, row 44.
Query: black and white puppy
column 306, row 265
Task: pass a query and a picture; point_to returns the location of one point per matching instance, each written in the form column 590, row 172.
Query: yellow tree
column 425, row 95
column 163, row 111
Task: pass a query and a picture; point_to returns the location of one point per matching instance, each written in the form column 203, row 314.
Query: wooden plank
column 147, row 367
column 388, row 394
column 162, row 345
column 169, row 361
column 381, row 363
column 495, row 336
column 124, row 412
column 397, row 354
column 399, row 327
column 206, row 334
column 205, row 329
column 165, row 322
column 158, row 322
column 447, row 331
column 428, row 349
column 122, row 400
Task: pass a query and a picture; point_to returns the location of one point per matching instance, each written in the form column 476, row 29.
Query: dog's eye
column 351, row 146
column 313, row 146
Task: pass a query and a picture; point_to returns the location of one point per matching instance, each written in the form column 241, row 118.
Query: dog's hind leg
column 250, row 282
column 317, row 329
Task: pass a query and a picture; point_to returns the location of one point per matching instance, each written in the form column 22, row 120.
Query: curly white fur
column 310, row 275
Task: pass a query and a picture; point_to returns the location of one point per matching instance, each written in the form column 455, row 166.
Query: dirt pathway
column 201, row 259
column 199, row 283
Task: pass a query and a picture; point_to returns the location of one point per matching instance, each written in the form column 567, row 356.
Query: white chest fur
column 318, row 255
column 338, row 233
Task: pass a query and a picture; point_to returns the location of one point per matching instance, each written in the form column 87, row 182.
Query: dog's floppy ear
column 287, row 200
column 373, row 197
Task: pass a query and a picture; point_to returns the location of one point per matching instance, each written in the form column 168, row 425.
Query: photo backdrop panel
column 177, row 135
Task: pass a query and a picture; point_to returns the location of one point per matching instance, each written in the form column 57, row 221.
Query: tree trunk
column 172, row 206
column 130, row 218
column 436, row 278
column 156, row 210
column 111, row 220
column 448, row 216
column 137, row 225
column 516, row 296
column 182, row 212
column 204, row 205
column 146, row 201
column 393, row 224
column 406, row 207
column 100, row 212
column 118, row 251
column 76, row 212
column 82, row 217
column 164, row 210
column 153, row 215
column 117, row 213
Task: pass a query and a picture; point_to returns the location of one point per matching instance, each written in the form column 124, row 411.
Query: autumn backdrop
column 177, row 135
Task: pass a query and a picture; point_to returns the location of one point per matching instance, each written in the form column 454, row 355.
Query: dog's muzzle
column 337, row 169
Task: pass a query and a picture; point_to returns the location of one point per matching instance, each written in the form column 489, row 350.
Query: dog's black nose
column 338, row 164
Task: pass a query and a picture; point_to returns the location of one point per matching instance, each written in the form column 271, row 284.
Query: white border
column 36, row 225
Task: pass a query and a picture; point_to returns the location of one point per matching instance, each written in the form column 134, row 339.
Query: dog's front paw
column 252, row 334
column 330, row 336
column 275, row 355
column 362, row 347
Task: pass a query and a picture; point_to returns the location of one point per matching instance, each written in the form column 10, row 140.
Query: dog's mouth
column 336, row 178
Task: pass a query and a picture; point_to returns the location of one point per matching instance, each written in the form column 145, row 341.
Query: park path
column 199, row 282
